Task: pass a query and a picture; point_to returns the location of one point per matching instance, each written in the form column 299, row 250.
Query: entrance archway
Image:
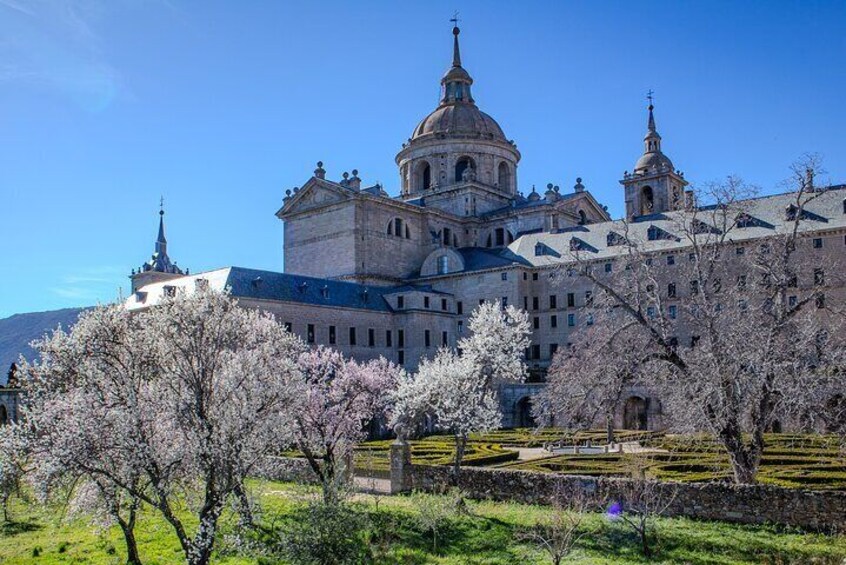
column 523, row 413
column 634, row 414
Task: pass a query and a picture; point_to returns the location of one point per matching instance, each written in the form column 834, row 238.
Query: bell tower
column 654, row 186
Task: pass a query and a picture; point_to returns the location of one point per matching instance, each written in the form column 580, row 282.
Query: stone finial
column 550, row 195
column 354, row 182
column 320, row 172
column 579, row 187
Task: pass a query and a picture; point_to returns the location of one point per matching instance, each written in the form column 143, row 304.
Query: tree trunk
column 128, row 529
column 609, row 429
column 460, row 446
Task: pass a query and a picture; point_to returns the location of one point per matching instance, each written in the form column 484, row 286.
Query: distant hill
column 16, row 333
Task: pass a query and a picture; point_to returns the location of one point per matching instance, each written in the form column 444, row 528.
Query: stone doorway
column 523, row 413
column 634, row 414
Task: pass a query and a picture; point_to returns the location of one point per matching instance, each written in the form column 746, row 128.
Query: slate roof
column 768, row 216
column 268, row 285
column 480, row 258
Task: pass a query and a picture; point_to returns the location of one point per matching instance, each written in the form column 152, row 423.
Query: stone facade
column 461, row 232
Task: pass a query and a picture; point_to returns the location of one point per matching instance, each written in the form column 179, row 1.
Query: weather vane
column 649, row 96
column 454, row 19
column 161, row 205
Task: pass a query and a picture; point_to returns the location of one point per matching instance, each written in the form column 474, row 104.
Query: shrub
column 323, row 534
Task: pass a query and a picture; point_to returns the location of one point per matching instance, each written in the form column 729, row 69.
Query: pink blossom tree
column 340, row 397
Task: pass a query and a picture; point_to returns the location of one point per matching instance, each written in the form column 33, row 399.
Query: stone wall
column 749, row 504
column 288, row 469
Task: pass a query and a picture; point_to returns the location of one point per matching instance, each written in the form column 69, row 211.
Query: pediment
column 312, row 196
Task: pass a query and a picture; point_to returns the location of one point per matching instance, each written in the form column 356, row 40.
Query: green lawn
column 486, row 536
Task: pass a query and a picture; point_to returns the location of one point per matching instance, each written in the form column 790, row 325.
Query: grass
column 485, row 536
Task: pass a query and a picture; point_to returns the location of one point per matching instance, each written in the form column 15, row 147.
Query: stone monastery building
column 371, row 274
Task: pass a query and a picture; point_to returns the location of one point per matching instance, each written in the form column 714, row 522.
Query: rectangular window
column 792, row 301
column 819, row 277
column 371, row 337
column 444, row 304
column 535, row 303
column 571, row 320
column 310, row 333
column 674, row 311
column 332, row 338
column 525, row 276
column 741, row 282
column 444, row 339
column 504, row 276
column 536, row 323
column 553, row 302
column 400, row 338
column 571, row 300
column 352, row 336
column 460, row 326
column 553, row 348
column 426, row 302
column 671, row 290
column 170, row 291
column 504, row 302
column 820, row 300
column 401, row 357
column 535, row 351
column 389, row 339
column 400, row 302
column 459, row 307
column 792, row 281
column 525, row 303
column 427, row 338
column 694, row 287
column 553, row 321
column 534, row 276
column 739, row 250
column 691, row 257
column 289, row 327
column 671, row 259
column 590, row 319
column 817, row 243
column 481, row 301
column 650, row 311
column 608, row 267
column 588, row 298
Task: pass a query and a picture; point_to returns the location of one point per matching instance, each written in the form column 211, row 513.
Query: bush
column 322, row 534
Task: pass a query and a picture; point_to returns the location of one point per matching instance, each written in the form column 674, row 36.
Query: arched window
column 407, row 233
column 504, row 177
column 461, row 166
column 647, row 201
column 446, row 237
column 443, row 265
column 582, row 217
column 489, row 241
column 398, row 227
column 424, row 176
column 391, row 227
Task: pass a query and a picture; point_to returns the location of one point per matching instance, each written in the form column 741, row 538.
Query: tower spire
column 456, row 53
column 651, row 123
column 161, row 241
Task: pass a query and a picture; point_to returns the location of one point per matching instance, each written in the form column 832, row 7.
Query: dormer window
column 443, row 265
column 169, row 291
column 140, row 296
column 540, row 249
column 201, row 284
column 324, row 292
column 613, row 239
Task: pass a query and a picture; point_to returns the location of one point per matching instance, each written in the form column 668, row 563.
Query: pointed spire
column 456, row 53
column 651, row 124
column 455, row 84
column 161, row 242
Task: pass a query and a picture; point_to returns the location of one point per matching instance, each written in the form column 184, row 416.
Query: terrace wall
column 746, row 504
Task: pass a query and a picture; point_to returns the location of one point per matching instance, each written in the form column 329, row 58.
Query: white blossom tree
column 179, row 402
column 459, row 389
column 340, row 397
column 761, row 342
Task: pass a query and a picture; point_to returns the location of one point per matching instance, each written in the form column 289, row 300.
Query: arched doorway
column 523, row 413
column 634, row 414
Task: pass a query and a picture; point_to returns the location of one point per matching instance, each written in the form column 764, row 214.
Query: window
column 553, row 348
column 817, row 243
column 398, row 227
column 389, row 339
column 571, row 320
column 447, row 237
column 426, row 302
column 400, row 338
column 792, row 281
column 427, row 338
column 671, row 259
column 553, row 302
column 534, row 276
column 535, row 351
column 481, row 301
column 588, row 298
column 650, row 311
column 820, row 300
column 504, row 276
column 792, row 301
column 169, row 291
column 371, row 337
column 650, row 288
column 819, row 277
column 674, row 310
column 201, row 284
column 310, row 333
column 443, row 265
column 459, row 306
column 525, row 276
column 352, row 336
column 671, row 290
column 500, row 237
column 739, row 250
column 571, row 300
column 540, row 249
column 464, row 165
column 590, row 319
column 288, row 327
column 461, row 326
column 504, row 302
column 608, row 267
column 444, row 339
column 718, row 285
column 691, row 257
column 525, row 303
column 444, row 304
column 741, row 282
column 536, row 323
column 400, row 302
column 401, row 357
column 694, row 287
column 553, row 321
column 535, row 303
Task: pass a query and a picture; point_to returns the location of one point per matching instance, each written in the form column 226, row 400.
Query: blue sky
column 221, row 106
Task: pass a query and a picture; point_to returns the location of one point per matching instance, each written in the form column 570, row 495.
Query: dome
column 460, row 119
column 654, row 159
